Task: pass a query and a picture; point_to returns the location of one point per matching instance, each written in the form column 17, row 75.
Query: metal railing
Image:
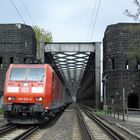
column 121, row 113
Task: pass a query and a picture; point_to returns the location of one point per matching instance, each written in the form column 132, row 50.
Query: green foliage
column 1, row 111
column 100, row 112
column 42, row 35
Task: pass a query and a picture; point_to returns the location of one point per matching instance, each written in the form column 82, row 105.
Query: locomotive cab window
column 36, row 74
column 17, row 74
column 31, row 74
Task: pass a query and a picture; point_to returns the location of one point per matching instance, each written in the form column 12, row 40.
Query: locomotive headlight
column 40, row 99
column 11, row 98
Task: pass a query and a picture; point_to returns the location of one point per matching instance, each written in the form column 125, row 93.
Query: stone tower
column 121, row 64
column 17, row 44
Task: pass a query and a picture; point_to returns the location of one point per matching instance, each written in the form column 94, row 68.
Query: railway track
column 6, row 128
column 21, row 132
column 113, row 131
column 26, row 133
column 85, row 133
column 13, row 132
column 99, row 130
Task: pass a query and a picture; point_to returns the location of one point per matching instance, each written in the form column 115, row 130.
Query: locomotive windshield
column 17, row 74
column 30, row 74
column 36, row 74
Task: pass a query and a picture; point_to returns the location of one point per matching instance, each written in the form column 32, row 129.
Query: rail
column 112, row 132
column 86, row 135
column 4, row 129
column 13, row 129
column 26, row 133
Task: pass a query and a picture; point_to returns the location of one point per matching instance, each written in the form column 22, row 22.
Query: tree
column 136, row 16
column 41, row 36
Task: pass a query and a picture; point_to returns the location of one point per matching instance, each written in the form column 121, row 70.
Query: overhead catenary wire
column 18, row 11
column 27, row 11
column 93, row 13
column 95, row 20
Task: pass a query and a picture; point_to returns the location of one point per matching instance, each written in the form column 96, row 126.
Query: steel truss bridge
column 78, row 66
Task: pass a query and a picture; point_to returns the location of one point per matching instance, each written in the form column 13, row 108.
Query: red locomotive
column 32, row 93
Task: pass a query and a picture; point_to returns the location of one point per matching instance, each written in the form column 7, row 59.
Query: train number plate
column 24, row 99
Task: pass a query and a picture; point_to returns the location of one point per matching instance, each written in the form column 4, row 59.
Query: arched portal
column 133, row 101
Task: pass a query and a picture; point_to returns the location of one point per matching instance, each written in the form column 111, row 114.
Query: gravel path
column 65, row 128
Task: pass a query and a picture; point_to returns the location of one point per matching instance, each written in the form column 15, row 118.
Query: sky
column 68, row 20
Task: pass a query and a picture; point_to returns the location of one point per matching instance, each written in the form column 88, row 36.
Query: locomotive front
column 24, row 93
